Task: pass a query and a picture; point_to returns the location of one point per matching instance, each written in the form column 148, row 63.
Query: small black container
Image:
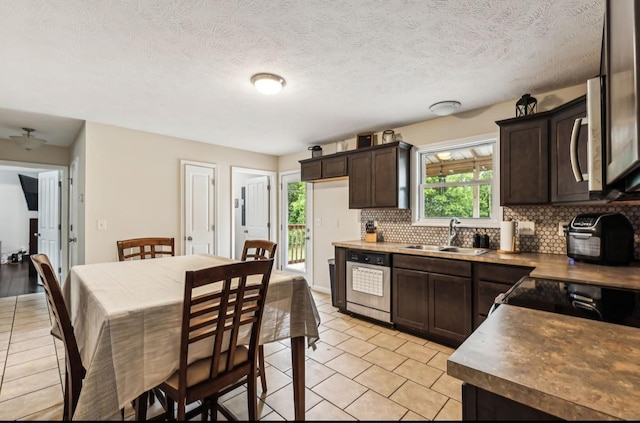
column 476, row 240
column 316, row 151
column 484, row 241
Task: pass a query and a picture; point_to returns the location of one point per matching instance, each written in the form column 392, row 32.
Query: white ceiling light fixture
column 268, row 83
column 444, row 108
column 28, row 141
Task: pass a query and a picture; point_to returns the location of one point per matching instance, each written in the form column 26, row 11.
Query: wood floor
column 15, row 280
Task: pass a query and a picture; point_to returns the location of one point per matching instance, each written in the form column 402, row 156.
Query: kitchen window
column 458, row 178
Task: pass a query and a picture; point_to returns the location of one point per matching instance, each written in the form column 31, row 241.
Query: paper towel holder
column 513, row 241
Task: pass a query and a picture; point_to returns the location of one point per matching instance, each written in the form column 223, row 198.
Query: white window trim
column 417, row 203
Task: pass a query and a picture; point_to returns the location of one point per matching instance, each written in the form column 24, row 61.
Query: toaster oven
column 602, row 238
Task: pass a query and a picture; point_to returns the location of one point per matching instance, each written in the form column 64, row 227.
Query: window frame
column 417, row 209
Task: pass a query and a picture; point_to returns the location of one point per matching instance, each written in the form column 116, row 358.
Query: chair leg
column 263, row 376
column 66, row 410
column 252, row 397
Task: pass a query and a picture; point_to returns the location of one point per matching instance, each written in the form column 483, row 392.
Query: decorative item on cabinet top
column 526, row 105
column 365, row 139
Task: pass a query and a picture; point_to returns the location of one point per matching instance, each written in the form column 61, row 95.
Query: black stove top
column 581, row 300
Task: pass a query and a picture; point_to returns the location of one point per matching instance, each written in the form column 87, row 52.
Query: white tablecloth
column 127, row 320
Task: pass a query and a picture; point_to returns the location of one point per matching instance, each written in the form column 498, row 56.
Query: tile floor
column 359, row 371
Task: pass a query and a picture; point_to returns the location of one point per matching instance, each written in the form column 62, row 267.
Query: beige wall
column 47, row 154
column 133, row 182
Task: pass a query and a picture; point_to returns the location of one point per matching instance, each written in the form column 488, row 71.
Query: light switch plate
column 561, row 227
column 526, row 228
column 102, row 225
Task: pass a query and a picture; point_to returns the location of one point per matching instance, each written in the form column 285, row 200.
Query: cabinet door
column 563, row 184
column 384, row 178
column 339, row 287
column 334, row 167
column 360, row 180
column 410, row 299
column 450, row 306
column 524, row 162
column 311, row 170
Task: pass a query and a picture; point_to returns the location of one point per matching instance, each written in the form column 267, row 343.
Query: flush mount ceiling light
column 445, row 155
column 268, row 83
column 444, row 108
column 28, row 141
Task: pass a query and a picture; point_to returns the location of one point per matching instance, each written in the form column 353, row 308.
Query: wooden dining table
column 127, row 320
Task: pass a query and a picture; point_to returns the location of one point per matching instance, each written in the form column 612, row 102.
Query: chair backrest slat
column 143, row 248
column 258, row 249
column 234, row 307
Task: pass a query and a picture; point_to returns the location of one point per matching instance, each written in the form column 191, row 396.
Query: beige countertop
column 572, row 368
column 546, row 266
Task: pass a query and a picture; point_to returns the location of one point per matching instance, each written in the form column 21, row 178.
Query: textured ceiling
column 183, row 67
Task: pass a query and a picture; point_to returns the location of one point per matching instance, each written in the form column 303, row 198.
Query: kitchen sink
column 448, row 249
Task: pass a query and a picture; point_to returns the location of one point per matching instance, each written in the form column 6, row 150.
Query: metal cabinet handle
column 573, row 150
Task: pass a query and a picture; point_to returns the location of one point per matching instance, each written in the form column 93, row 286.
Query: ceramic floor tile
column 419, row 399
column 272, row 347
column 439, row 361
column 30, row 344
column 326, row 317
column 339, row 390
column 323, row 352
column 443, row 348
column 281, row 401
column 384, row 358
column 29, row 368
column 361, row 332
column 356, row 346
column 327, row 308
column 36, row 333
column 451, row 411
column 239, row 407
column 373, row 406
column 387, row 341
column 418, row 372
column 325, row 411
column 280, row 359
column 386, row 329
column 322, row 328
column 411, row 416
column 27, row 384
column 276, row 379
column 417, row 352
column 333, row 337
column 348, row 365
column 271, row 417
column 35, row 353
column 380, row 380
column 449, row 386
column 340, row 325
column 314, row 373
column 31, row 403
column 414, row 339
column 50, row 414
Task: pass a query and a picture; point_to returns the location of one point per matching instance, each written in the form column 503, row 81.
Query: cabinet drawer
column 501, row 273
column 487, row 292
column 334, row 167
column 433, row 265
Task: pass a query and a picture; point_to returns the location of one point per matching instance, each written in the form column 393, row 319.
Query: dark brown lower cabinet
column 434, row 305
column 339, row 286
column 479, row 404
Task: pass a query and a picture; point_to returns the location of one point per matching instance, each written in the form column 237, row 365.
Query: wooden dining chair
column 75, row 371
column 143, row 248
column 259, row 249
column 220, row 305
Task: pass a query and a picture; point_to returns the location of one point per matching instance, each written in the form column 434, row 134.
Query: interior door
column 49, row 217
column 257, row 208
column 296, row 251
column 199, row 209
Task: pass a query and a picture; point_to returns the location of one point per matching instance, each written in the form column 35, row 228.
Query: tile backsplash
column 394, row 225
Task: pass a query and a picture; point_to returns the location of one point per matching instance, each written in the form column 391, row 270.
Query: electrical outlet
column 526, row 228
column 562, row 226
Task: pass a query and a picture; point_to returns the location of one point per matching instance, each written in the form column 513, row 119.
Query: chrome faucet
column 453, row 232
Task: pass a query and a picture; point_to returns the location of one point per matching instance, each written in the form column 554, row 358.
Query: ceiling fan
column 28, row 141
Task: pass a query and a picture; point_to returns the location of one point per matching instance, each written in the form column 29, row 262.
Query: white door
column 49, row 217
column 73, row 214
column 199, row 216
column 296, row 254
column 257, row 208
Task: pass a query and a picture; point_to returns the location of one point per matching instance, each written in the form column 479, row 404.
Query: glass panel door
column 295, row 233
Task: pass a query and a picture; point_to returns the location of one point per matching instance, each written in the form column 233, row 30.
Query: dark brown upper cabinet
column 328, row 167
column 564, row 187
column 524, row 160
column 379, row 176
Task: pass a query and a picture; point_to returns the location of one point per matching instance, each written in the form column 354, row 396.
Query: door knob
column 189, row 238
column 36, row 234
column 74, row 239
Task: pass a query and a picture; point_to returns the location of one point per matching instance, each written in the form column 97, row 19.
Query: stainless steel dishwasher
column 369, row 284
